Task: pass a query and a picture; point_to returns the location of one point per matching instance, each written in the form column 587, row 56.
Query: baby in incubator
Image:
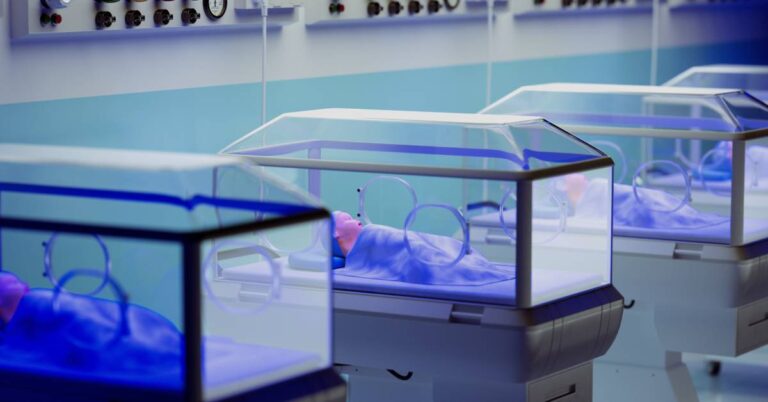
column 657, row 210
column 379, row 252
column 83, row 333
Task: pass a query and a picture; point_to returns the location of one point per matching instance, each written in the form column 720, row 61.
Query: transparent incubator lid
column 753, row 79
column 157, row 191
column 512, row 148
column 652, row 111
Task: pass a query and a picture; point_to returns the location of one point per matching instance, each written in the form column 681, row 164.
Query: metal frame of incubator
column 683, row 297
column 393, row 347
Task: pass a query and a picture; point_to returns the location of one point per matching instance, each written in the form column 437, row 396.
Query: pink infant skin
column 347, row 230
column 12, row 290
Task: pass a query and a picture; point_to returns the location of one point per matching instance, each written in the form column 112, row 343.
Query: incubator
column 422, row 309
column 113, row 282
column 753, row 79
column 690, row 216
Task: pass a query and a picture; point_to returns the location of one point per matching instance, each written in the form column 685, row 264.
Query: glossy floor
column 740, row 380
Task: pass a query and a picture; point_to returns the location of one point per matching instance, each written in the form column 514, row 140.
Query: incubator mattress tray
column 546, row 282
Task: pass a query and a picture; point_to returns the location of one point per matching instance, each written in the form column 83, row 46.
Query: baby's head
column 573, row 186
column 346, row 230
column 12, row 290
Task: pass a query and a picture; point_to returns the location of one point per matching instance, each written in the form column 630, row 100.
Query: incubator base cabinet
column 422, row 312
column 112, row 284
column 690, row 255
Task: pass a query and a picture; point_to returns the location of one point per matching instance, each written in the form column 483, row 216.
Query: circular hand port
column 105, row 19
column 190, row 16
column 414, row 7
column 394, row 7
column 134, row 18
column 433, row 6
column 163, row 17
column 374, row 8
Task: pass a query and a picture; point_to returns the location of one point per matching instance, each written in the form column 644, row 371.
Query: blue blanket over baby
column 651, row 213
column 380, row 253
column 80, row 334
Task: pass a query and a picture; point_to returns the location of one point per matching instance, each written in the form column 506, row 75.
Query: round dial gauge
column 215, row 9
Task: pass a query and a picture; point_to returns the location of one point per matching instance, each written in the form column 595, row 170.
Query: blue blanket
column 650, row 214
column 380, row 253
column 81, row 333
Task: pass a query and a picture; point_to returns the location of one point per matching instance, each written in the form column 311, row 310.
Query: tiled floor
column 742, row 380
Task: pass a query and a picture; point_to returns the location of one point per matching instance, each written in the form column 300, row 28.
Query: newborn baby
column 379, row 252
column 83, row 333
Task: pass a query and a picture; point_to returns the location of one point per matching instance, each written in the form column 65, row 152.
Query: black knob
column 163, row 17
column 414, row 7
column 597, row 2
column 433, row 6
column 567, row 3
column 581, row 2
column 374, row 8
column 190, row 16
column 134, row 18
column 105, row 19
column 394, row 7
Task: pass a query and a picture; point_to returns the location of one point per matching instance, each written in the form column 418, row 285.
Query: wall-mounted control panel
column 40, row 19
column 575, row 7
column 335, row 12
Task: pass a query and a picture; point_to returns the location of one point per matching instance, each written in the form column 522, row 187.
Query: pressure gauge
column 215, row 9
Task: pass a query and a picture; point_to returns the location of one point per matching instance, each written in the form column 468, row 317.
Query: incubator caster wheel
column 714, row 367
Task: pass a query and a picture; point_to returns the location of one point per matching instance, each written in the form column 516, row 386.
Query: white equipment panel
column 576, row 7
column 53, row 19
column 335, row 12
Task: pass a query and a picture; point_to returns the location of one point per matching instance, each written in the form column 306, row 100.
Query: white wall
column 78, row 68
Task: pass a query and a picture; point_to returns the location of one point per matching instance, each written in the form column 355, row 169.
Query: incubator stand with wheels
column 753, row 79
column 113, row 280
column 690, row 219
column 423, row 311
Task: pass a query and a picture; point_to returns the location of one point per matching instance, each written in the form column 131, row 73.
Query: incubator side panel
column 756, row 190
column 266, row 307
column 671, row 188
column 99, row 315
column 571, row 234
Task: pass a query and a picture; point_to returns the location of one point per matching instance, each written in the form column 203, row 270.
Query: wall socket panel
column 31, row 19
column 564, row 7
column 359, row 12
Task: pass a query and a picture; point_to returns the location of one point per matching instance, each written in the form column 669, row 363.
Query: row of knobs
column 134, row 18
column 394, row 7
column 568, row 3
